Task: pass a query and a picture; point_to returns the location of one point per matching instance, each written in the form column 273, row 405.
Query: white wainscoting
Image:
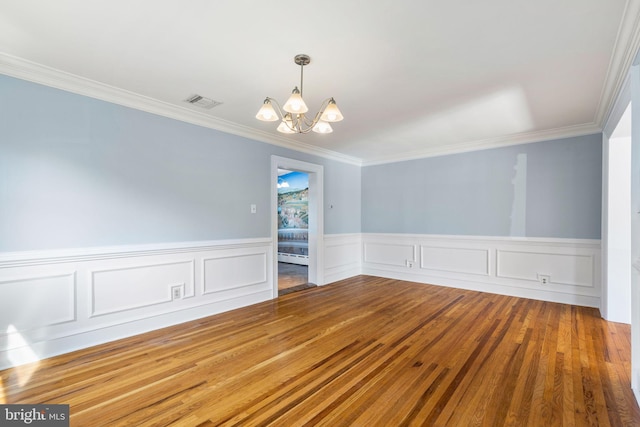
column 55, row 302
column 342, row 256
column 509, row 266
column 94, row 295
column 139, row 285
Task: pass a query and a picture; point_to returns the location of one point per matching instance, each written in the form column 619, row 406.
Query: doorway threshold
column 297, row 288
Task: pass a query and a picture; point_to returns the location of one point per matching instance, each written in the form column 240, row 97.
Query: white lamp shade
column 332, row 113
column 286, row 125
column 295, row 104
column 322, row 127
column 267, row 113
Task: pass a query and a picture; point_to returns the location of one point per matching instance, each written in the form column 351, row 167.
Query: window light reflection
column 21, row 356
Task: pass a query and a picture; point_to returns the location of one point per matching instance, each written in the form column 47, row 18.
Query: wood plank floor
column 364, row 352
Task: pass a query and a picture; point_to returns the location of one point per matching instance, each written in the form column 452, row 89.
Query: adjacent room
column 341, row 214
column 293, row 231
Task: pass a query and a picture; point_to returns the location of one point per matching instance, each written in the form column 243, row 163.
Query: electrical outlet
column 409, row 263
column 544, row 279
column 176, row 292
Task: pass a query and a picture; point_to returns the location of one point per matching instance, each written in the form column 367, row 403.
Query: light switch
column 253, row 209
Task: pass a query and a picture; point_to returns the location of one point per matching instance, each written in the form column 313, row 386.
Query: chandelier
column 293, row 113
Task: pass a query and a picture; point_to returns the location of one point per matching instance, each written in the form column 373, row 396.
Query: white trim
column 508, row 239
column 235, row 256
column 93, row 312
column 493, row 288
column 625, row 49
column 135, row 292
column 620, row 105
column 616, row 225
column 486, row 264
column 24, row 258
column 73, row 295
column 26, row 70
column 316, row 215
column 342, row 256
column 37, row 73
column 573, row 265
column 624, row 52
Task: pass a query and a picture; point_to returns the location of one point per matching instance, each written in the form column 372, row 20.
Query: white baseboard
column 55, row 302
column 502, row 265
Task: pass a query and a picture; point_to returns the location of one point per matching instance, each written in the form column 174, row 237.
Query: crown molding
column 618, row 107
column 37, row 73
column 485, row 144
column 624, row 52
column 626, row 47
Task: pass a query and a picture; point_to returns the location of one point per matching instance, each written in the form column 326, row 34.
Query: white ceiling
column 412, row 77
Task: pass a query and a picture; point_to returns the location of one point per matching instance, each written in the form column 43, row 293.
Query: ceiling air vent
column 202, row 102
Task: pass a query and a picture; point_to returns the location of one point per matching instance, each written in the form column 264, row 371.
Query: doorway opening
column 297, row 224
column 293, row 227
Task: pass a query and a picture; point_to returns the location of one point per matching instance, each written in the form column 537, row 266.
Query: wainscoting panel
column 55, row 293
column 558, row 270
column 565, row 269
column 455, row 260
column 342, row 256
column 121, row 289
column 55, row 302
column 388, row 253
column 228, row 272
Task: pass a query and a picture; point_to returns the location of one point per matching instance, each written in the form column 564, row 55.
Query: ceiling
column 413, row 78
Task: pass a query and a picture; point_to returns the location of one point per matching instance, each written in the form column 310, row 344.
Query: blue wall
column 544, row 189
column 79, row 172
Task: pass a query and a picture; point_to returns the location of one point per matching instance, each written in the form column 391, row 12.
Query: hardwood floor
column 366, row 352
